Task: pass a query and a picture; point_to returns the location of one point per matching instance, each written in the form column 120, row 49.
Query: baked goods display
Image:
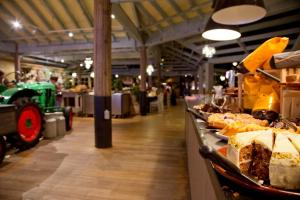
column 219, row 120
column 207, row 108
column 269, row 156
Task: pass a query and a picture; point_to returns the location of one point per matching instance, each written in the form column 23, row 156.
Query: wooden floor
column 147, row 161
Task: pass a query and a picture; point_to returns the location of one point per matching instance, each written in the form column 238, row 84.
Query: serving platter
column 243, row 182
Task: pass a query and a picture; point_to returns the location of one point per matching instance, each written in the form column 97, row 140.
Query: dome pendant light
column 237, row 12
column 219, row 32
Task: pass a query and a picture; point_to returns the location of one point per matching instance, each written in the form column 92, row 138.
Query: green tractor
column 30, row 102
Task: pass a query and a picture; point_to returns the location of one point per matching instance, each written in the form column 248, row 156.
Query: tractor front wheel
column 2, row 148
column 30, row 125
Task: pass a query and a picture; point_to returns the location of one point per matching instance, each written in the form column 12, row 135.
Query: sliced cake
column 284, row 169
column 240, row 149
column 262, row 151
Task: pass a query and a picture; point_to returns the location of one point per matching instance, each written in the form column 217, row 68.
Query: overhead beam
column 197, row 7
column 26, row 49
column 70, row 14
column 179, row 31
column 128, row 25
column 7, row 47
column 54, row 15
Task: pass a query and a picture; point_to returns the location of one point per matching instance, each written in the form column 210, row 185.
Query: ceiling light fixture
column 88, row 63
column 70, row 34
column 112, row 16
column 16, row 24
column 81, row 64
column 222, row 78
column 208, row 51
column 117, row 76
column 74, row 74
column 235, row 64
column 237, row 12
column 92, row 75
column 220, row 32
column 62, row 60
column 150, row 70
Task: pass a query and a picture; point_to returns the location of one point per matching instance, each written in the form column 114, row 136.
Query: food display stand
column 210, row 181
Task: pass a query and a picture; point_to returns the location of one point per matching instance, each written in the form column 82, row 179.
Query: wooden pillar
column 158, row 74
column 200, row 79
column 143, row 93
column 102, row 67
column 209, row 76
column 17, row 63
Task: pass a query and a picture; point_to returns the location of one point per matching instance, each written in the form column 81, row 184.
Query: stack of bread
column 271, row 156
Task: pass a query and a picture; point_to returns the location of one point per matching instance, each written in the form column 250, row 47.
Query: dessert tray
column 242, row 181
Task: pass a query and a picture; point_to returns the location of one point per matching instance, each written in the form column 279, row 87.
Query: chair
column 157, row 105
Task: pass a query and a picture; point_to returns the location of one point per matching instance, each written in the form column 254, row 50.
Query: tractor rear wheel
column 2, row 148
column 68, row 114
column 29, row 124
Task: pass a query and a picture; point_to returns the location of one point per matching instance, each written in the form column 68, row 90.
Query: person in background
column 3, row 80
column 54, row 80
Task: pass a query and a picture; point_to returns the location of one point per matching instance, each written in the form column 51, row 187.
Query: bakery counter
column 205, row 182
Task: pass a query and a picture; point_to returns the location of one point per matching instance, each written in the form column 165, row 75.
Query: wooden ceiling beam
column 47, row 5
column 43, row 19
column 149, row 17
column 31, row 49
column 177, row 9
column 8, row 17
column 84, row 9
column 28, row 19
column 179, row 31
column 197, row 7
column 128, row 25
column 66, row 8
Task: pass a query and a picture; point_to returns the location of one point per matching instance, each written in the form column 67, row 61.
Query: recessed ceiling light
column 70, row 34
column 117, row 76
column 81, row 64
column 235, row 63
column 16, row 24
column 113, row 16
column 62, row 60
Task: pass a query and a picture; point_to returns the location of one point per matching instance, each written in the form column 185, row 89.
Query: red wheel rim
column 29, row 123
column 71, row 119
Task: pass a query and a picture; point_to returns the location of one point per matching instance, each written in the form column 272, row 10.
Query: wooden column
column 143, row 93
column 158, row 73
column 102, row 67
column 200, row 79
column 17, row 63
column 209, row 76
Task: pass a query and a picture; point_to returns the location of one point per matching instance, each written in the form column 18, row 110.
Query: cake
column 262, row 151
column 240, row 149
column 268, row 155
column 284, row 166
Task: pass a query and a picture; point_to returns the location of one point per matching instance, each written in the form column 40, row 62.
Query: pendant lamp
column 220, row 32
column 237, row 12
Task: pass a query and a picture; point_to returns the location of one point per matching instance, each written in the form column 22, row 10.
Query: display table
column 120, row 103
column 204, row 181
